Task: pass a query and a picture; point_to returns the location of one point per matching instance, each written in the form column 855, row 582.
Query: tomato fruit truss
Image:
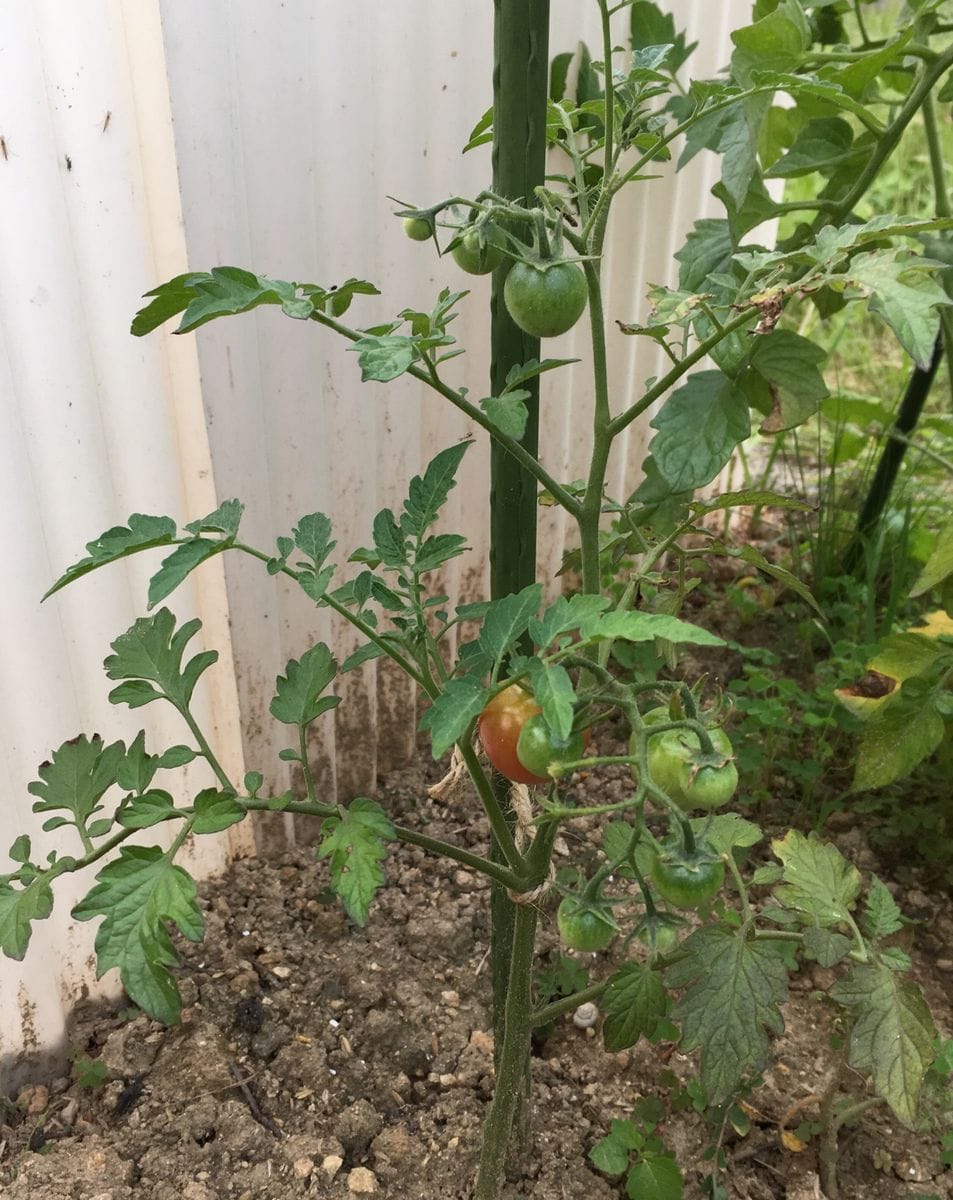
column 585, row 924
column 679, row 767
column 686, row 880
column 519, row 743
column 545, row 298
column 478, row 251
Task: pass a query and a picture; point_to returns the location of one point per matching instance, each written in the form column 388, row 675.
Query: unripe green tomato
column 478, row 253
column 417, row 229
column 584, row 925
column 673, row 765
column 658, row 935
column 538, row 748
column 686, row 880
column 545, row 300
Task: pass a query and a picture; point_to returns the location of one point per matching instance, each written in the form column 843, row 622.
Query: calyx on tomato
column 585, row 924
column 686, row 879
column 679, row 766
column 478, row 251
column 546, row 297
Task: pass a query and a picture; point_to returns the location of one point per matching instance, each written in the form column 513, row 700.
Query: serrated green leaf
column 175, row 756
column 215, row 810
column 138, row 768
column 136, row 895
column 881, row 916
column 774, row 43
column 225, row 519
column 77, row 777
column 356, row 844
column 708, row 248
column 151, row 808
column 753, row 556
column 565, row 615
column 553, row 691
column 19, row 908
column 826, row 946
column 900, row 290
column 735, row 988
column 385, row 356
column 20, row 850
column 508, row 413
column 698, row 427
column 818, row 881
column 725, row 832
column 506, row 620
column 152, row 649
column 634, row 1002
column 315, row 584
column 298, row 699
column 312, row 536
column 449, row 717
column 142, row 533
column 896, row 739
column 656, row 1177
column 179, row 564
column 824, row 144
column 645, row 627
column 428, row 493
column 436, row 550
column 893, row 1034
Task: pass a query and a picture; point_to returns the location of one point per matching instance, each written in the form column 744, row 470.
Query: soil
column 316, row 1059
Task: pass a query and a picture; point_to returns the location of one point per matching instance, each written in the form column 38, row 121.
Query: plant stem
column 512, row 1059
column 827, row 1153
column 549, row 1012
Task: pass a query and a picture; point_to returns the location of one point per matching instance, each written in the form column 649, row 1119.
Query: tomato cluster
column 519, row 743
column 686, row 879
column 585, row 924
column 677, row 765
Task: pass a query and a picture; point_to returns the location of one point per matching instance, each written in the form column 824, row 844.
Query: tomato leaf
column 508, row 413
column 137, row 894
column 734, row 991
column 355, row 842
column 726, row 831
column 708, row 249
column 312, row 536
column 753, row 556
column 645, row 627
column 554, row 693
column 788, row 363
column 892, row 1038
column 142, row 533
column 826, row 946
column 180, row 563
column 151, row 652
column 881, row 916
column 655, row 1177
column 428, row 493
column 819, row 882
column 824, row 144
column 506, row 620
column 298, row 699
column 225, row 519
column 19, row 908
column 151, row 808
column 611, row 1153
column 939, row 566
column 215, row 810
column 698, row 427
column 565, row 615
column 634, row 1003
column 450, row 714
column 386, row 356
column 80, row 772
column 898, row 737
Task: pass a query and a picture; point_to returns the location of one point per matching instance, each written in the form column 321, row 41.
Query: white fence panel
column 147, row 137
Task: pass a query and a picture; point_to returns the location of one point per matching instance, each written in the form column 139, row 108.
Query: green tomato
column 538, row 748
column 676, row 766
column 547, row 299
column 584, row 924
column 686, row 880
column 418, row 229
column 478, row 252
column 657, row 934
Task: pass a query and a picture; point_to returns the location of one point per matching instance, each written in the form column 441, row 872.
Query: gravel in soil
column 316, row 1059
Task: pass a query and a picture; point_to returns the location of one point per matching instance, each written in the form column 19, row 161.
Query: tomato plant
column 686, row 879
column 585, row 924
column 693, row 779
column 546, row 298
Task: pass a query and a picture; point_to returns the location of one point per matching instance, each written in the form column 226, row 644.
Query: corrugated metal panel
column 292, row 123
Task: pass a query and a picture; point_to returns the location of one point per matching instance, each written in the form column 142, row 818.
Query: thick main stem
column 512, row 1056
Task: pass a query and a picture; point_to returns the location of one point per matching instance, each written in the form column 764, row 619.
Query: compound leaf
column 137, row 894
column 734, row 991
column 142, row 533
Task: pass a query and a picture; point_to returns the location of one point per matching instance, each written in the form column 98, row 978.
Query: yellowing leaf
column 936, row 624
column 792, row 1142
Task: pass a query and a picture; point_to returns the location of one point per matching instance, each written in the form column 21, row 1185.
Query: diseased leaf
column 450, row 714
column 634, row 1003
column 896, row 739
column 893, row 1034
column 789, row 364
column 137, row 894
column 734, row 990
column 298, row 699
column 819, row 882
column 356, row 844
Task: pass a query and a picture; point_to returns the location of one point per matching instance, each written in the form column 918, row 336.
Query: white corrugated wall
column 146, row 137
